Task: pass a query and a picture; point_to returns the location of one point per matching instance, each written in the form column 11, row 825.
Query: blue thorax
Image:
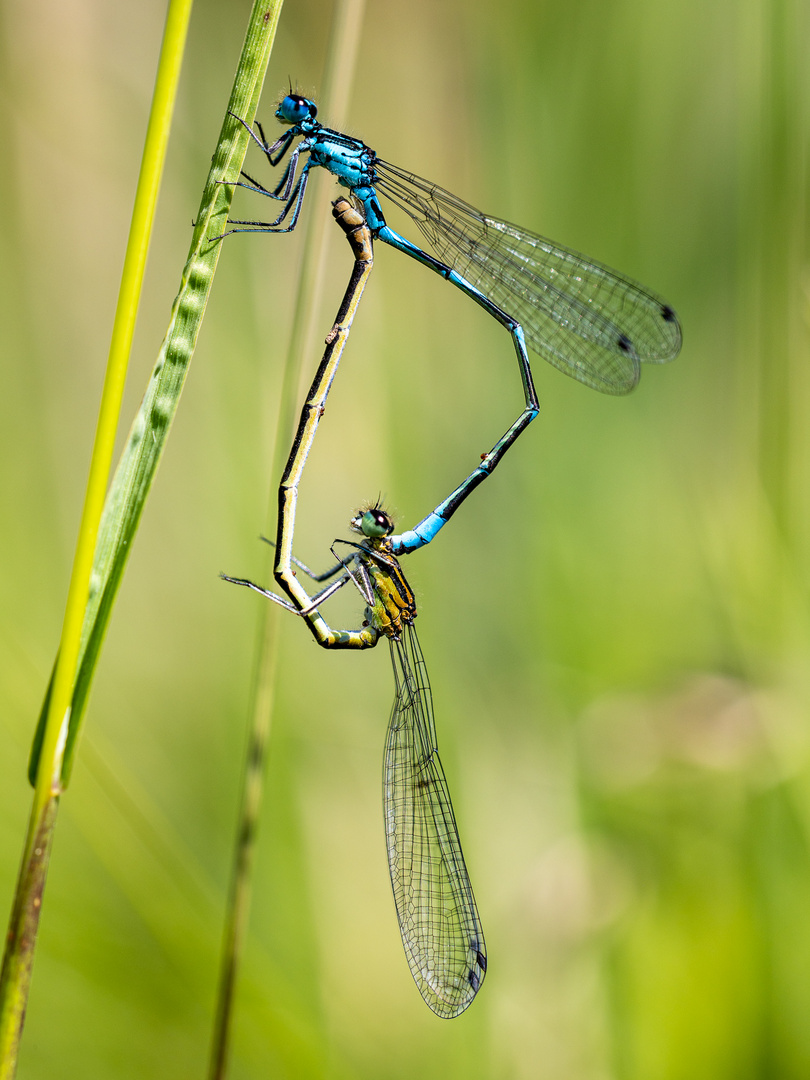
column 348, row 159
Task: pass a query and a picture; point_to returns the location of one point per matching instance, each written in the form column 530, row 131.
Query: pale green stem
column 105, row 536
column 18, row 959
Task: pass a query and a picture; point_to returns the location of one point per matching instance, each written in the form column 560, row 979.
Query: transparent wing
column 581, row 316
column 436, row 909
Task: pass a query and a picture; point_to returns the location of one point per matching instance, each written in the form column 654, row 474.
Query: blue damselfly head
column 294, row 108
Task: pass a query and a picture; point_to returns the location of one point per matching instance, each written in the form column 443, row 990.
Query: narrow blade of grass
column 105, row 536
column 147, row 437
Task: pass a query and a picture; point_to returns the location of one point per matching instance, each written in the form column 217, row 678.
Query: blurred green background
column 616, row 625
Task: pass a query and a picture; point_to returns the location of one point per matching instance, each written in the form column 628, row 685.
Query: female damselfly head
column 294, row 108
column 373, row 522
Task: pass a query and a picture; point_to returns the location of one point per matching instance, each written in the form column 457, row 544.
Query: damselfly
column 436, row 910
column 584, row 318
column 438, row 918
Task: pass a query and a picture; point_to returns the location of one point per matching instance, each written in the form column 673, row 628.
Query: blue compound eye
column 295, row 108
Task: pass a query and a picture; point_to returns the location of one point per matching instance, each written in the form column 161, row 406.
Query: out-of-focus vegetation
column 616, row 625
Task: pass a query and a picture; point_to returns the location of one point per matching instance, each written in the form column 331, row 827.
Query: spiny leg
column 303, row 566
column 279, row 147
column 315, row 600
column 295, row 202
column 260, row 189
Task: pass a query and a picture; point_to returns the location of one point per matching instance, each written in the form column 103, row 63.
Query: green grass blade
column 147, row 437
column 143, row 215
column 47, row 774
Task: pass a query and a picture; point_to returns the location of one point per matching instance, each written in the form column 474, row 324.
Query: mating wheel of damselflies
column 438, row 917
column 585, row 319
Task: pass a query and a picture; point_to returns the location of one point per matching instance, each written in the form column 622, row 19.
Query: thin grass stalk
column 147, row 437
column 21, row 939
column 338, row 77
column 15, row 980
column 106, row 535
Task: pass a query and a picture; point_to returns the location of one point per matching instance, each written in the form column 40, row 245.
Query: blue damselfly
column 584, row 318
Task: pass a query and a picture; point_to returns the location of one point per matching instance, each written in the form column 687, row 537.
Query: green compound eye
column 376, row 523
